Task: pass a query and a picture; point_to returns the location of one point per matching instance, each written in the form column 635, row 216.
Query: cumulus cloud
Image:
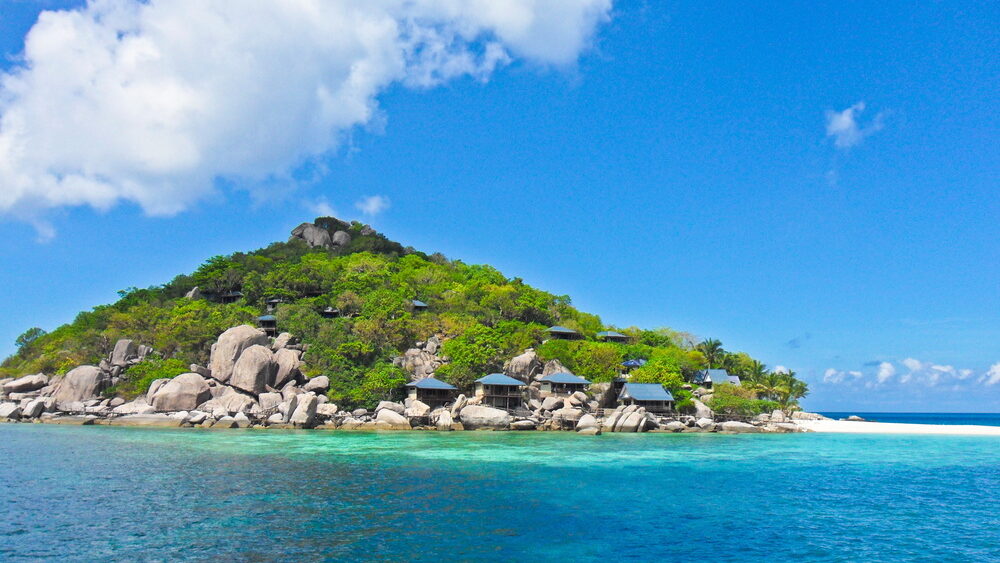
column 373, row 205
column 846, row 129
column 834, row 376
column 153, row 102
column 991, row 377
column 321, row 208
column 885, row 372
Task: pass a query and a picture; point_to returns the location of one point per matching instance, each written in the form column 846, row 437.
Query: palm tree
column 755, row 371
column 712, row 350
column 792, row 390
column 769, row 385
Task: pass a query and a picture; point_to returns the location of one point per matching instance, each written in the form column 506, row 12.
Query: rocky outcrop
column 340, row 238
column 444, row 421
column 124, row 351
column 553, row 366
column 304, row 415
column 80, row 384
column 318, row 384
column 254, row 369
column 419, row 362
column 182, row 393
column 735, row 426
column 288, row 362
column 524, row 367
column 701, row 410
column 392, row 419
column 313, row 236
column 230, row 346
column 476, row 417
column 26, row 384
column 417, row 409
column 10, row 411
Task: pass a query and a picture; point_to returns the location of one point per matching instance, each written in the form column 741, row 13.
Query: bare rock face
column 701, row 410
column 80, row 384
column 392, row 419
column 313, row 235
column 524, row 367
column 254, row 369
column 230, row 346
column 553, row 366
column 283, row 340
column 341, row 238
column 26, row 384
column 154, row 387
column 194, row 294
column 419, row 363
column 476, row 417
column 288, row 362
column 182, row 393
column 125, row 350
column 318, row 384
column 304, row 414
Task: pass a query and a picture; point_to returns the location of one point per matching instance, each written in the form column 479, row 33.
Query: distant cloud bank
column 152, row 102
column 911, row 371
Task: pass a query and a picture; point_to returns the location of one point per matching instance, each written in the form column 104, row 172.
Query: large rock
column 701, row 410
column 552, row 403
column 138, row 406
column 254, row 369
column 318, row 384
column 393, row 419
column 269, row 400
column 586, row 421
column 313, row 235
column 282, row 340
column 567, row 414
column 476, row 417
column 735, row 426
column 631, row 422
column 33, row 409
column 553, row 366
column 394, row 407
column 162, row 420
column 800, row 415
column 154, row 387
column 304, row 414
column 458, row 405
column 704, row 423
column 80, row 384
column 10, row 411
column 432, row 345
column 124, row 351
column 524, row 367
column 326, row 410
column 417, row 409
column 182, row 393
column 444, row 420
column 341, row 238
column 230, row 346
column 676, row 426
column 288, row 362
column 26, row 384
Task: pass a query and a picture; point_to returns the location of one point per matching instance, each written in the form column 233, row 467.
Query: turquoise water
column 84, row 493
column 980, row 419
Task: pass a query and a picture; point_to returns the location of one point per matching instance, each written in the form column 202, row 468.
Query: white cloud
column 992, row 377
column 153, row 102
column 322, row 208
column 780, row 369
column 373, row 205
column 835, row 376
column 913, row 364
column 845, row 127
column 885, row 372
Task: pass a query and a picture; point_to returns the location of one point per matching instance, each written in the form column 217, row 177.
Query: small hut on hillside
column 330, row 313
column 501, row 391
column 231, row 297
column 418, row 306
column 653, row 396
column 612, row 336
column 272, row 303
column 709, row 377
column 562, row 333
column 563, row 384
column 431, row 391
column 269, row 324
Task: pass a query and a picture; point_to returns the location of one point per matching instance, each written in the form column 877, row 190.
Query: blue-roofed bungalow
column 562, row 333
column 418, row 305
column 563, row 384
column 612, row 336
column 709, row 377
column 501, row 391
column 231, row 297
column 653, row 396
column 431, row 391
column 330, row 313
column 269, row 324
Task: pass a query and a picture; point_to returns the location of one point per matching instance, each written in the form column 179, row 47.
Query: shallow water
column 82, row 493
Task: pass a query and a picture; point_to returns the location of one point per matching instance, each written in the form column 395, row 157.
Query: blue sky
column 815, row 185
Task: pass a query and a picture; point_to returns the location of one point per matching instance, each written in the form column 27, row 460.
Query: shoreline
column 866, row 427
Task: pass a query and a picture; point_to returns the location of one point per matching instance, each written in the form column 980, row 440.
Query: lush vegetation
column 484, row 317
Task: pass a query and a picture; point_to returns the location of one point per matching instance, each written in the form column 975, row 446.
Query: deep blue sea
column 100, row 493
column 981, row 419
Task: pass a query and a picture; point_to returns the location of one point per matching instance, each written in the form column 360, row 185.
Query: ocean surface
column 981, row 419
column 89, row 493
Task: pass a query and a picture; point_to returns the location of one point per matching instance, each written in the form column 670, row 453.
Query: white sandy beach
column 852, row 427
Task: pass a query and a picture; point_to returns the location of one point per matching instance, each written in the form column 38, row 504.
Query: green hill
column 483, row 318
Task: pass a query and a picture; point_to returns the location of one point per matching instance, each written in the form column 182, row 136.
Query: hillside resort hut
column 231, row 297
column 709, row 377
column 612, row 336
column 563, row 384
column 314, row 292
column 501, row 391
column 272, row 303
column 562, row 333
column 629, row 365
column 269, row 324
column 330, row 313
column 431, row 391
column 418, row 306
column 652, row 396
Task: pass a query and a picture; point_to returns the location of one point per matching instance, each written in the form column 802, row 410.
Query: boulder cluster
column 316, row 236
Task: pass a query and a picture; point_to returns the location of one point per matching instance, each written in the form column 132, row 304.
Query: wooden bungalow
column 562, row 333
column 709, row 377
column 330, row 313
column 501, row 391
column 418, row 306
column 269, row 324
column 563, row 384
column 231, row 297
column 272, row 303
column 431, row 391
column 652, row 396
column 314, row 292
column 612, row 336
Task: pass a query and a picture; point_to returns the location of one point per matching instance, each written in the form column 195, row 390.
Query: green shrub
column 137, row 379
